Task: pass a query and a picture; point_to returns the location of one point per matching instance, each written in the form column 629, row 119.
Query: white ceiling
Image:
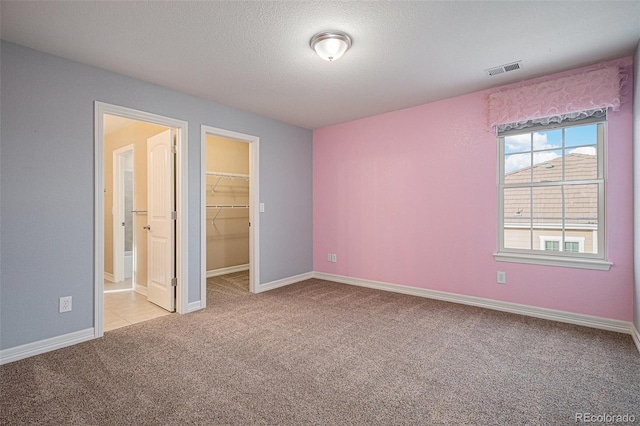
column 255, row 55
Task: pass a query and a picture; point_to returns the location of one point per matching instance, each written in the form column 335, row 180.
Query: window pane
column 547, row 139
column 547, row 166
column 547, row 202
column 581, row 135
column 552, row 245
column 517, row 143
column 517, row 168
column 544, row 231
column 581, row 202
column 581, row 163
column 517, row 234
column 517, row 203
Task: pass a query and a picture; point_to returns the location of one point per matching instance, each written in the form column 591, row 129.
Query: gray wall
column 47, row 187
column 636, row 183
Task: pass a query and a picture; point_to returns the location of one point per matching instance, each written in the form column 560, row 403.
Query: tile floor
column 123, row 285
column 124, row 308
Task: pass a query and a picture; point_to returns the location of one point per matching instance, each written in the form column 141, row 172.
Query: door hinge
column 173, row 149
column 174, row 215
column 174, row 282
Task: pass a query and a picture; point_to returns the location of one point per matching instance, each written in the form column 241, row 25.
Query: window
column 571, row 246
column 551, row 195
column 555, row 243
column 552, row 245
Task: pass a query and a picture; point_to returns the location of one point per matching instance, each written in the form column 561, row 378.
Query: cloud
column 520, row 143
column 586, row 150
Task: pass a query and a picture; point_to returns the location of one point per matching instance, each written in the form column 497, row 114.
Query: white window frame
column 560, row 258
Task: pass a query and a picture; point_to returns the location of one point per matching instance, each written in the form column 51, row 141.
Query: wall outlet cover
column 65, row 304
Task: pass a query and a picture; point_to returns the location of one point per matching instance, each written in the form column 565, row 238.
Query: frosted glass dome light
column 330, row 45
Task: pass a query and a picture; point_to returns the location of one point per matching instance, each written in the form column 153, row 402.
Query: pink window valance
column 576, row 96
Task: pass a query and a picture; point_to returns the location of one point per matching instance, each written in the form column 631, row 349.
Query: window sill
column 566, row 262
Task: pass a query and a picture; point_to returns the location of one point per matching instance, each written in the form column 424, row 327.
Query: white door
column 160, row 226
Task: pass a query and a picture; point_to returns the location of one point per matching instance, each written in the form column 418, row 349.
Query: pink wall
column 409, row 197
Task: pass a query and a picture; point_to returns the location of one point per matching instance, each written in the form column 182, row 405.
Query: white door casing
column 160, row 225
column 254, row 202
column 183, row 305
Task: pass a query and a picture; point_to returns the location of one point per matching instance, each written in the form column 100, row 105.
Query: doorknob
column 148, row 227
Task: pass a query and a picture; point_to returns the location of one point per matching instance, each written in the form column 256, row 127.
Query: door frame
column 118, row 207
column 254, row 208
column 182, row 205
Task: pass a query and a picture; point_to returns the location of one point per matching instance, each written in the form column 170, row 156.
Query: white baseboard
column 635, row 334
column 140, row 289
column 515, row 308
column 284, row 281
column 109, row 276
column 227, row 270
column 46, row 345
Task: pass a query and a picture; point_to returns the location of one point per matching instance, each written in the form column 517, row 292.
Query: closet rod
column 138, row 211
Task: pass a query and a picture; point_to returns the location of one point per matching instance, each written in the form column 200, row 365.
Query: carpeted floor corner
column 319, row 352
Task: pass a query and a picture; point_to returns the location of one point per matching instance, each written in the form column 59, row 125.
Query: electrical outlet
column 65, row 304
column 334, row 258
column 502, row 277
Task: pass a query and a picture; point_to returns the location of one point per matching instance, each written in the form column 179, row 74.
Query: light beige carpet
column 323, row 353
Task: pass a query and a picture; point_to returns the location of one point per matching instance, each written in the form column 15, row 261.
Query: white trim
column 108, row 276
column 254, row 204
column 117, row 211
column 138, row 288
column 515, row 308
column 635, row 334
column 194, row 306
column 554, row 260
column 284, row 281
column 227, row 270
column 46, row 345
column 182, row 204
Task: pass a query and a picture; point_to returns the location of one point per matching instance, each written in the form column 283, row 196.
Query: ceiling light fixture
column 330, row 45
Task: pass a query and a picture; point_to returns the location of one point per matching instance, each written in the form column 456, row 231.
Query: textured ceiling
column 255, row 56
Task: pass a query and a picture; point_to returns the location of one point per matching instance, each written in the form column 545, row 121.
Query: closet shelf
column 221, row 207
column 229, row 175
column 221, row 175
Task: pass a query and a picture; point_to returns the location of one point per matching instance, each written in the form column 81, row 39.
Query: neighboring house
column 539, row 225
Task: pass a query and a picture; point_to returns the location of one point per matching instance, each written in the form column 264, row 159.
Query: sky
column 547, row 145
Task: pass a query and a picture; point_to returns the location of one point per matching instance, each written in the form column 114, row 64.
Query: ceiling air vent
column 504, row 68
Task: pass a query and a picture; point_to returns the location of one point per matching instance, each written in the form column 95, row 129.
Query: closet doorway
column 229, row 205
column 142, row 213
